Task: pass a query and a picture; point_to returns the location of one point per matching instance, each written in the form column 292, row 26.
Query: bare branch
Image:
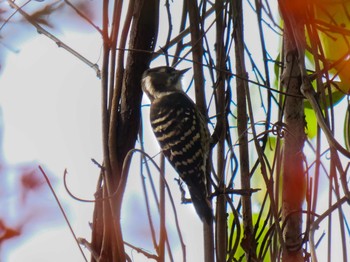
column 62, row 211
column 81, row 14
column 59, row 43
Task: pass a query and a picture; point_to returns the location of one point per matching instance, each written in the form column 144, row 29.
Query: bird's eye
column 170, row 70
column 173, row 76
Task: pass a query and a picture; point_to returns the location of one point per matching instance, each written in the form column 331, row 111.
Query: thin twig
column 88, row 246
column 145, row 162
column 124, row 176
column 59, row 43
column 141, row 251
column 62, row 210
column 87, row 19
column 170, row 29
column 179, row 37
column 234, row 226
column 147, row 202
column 9, row 18
column 70, row 193
column 183, row 246
column 315, row 225
column 162, row 227
column 242, row 192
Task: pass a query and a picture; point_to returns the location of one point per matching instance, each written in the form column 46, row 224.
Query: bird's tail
column 202, row 205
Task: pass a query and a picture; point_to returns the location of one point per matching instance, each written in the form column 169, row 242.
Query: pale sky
column 51, row 108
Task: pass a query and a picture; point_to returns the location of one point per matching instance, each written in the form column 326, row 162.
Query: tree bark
column 248, row 241
column 121, row 122
column 197, row 55
column 293, row 189
column 221, row 203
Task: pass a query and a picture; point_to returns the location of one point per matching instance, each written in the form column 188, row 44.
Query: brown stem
column 248, row 241
column 197, row 55
column 221, row 218
column 162, row 232
column 293, row 189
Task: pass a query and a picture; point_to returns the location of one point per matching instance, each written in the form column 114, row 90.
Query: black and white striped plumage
column 181, row 131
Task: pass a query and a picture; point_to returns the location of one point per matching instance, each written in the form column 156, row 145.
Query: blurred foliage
column 263, row 236
column 25, row 200
column 55, row 16
column 347, row 128
column 338, row 92
column 334, row 28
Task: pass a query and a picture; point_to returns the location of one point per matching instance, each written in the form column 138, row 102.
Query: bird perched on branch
column 181, row 131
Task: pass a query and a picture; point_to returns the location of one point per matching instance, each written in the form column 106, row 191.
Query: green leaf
column 334, row 23
column 277, row 67
column 347, row 128
column 262, row 241
column 337, row 94
column 311, row 123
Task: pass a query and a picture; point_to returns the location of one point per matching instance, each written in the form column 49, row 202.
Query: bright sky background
column 50, row 103
column 52, row 116
column 51, row 108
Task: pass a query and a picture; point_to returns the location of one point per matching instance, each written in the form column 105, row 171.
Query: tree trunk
column 293, row 189
column 121, row 119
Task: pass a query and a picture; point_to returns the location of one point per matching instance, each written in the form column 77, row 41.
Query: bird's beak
column 183, row 71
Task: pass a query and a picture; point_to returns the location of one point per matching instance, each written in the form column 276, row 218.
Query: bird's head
column 159, row 81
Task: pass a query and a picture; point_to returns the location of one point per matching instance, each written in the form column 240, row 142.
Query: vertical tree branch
column 197, row 54
column 221, row 204
column 263, row 42
column 293, row 189
column 162, row 231
column 248, row 241
column 121, row 122
column 125, row 115
column 103, row 237
column 117, row 93
column 113, row 46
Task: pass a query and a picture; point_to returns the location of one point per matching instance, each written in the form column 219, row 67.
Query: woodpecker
column 181, row 131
